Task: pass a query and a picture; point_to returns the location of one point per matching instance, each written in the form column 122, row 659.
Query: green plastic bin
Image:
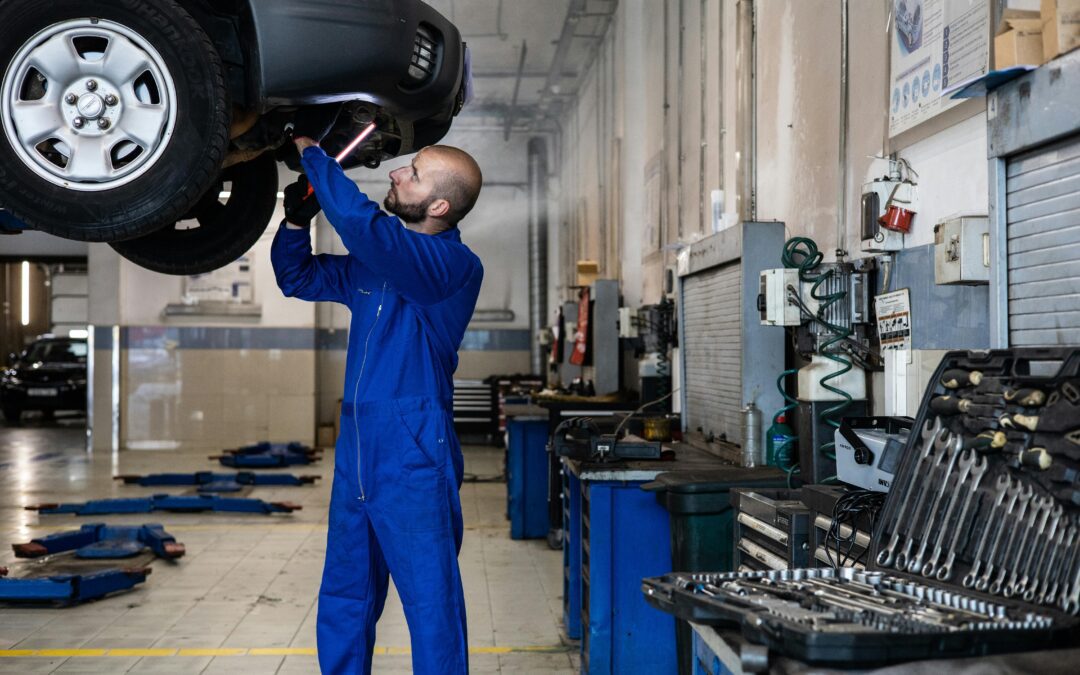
column 702, row 525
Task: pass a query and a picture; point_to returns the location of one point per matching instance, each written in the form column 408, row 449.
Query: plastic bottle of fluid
column 778, row 434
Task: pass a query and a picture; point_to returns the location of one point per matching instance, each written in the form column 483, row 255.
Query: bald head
column 458, row 179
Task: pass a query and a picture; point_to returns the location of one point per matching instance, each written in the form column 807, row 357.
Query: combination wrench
column 941, row 444
column 976, row 473
column 966, row 462
column 1043, row 507
column 1056, row 572
column 1003, row 488
column 1029, row 509
column 927, row 435
column 1046, row 569
column 1029, row 582
column 1019, row 495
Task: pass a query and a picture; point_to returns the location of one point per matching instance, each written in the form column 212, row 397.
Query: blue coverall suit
column 394, row 507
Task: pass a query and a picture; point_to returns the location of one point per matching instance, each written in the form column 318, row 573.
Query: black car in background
column 157, row 126
column 49, row 375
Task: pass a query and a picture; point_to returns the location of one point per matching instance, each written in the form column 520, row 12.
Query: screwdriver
column 1018, row 421
column 1036, row 458
column 987, row 441
column 953, row 405
column 957, row 378
column 1025, row 397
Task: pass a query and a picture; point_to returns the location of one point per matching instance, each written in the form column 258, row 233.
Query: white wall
column 652, row 107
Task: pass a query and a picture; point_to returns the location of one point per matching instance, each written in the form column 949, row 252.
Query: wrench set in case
column 975, row 550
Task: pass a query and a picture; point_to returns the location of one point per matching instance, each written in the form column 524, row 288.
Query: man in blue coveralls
column 394, row 508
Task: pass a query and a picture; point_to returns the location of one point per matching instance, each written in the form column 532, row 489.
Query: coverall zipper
column 356, row 393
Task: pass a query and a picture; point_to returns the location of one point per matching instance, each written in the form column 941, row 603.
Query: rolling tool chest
column 976, row 548
column 771, row 529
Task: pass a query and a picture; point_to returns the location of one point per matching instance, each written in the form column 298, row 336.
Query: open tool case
column 975, row 551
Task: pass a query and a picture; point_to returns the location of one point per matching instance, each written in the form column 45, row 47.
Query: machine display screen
column 890, row 456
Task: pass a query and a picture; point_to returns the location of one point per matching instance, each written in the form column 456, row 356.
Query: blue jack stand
column 70, row 589
column 101, row 541
column 176, row 504
column 219, row 482
column 269, row 456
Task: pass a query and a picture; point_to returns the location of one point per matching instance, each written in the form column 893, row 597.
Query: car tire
column 160, row 133
column 225, row 231
column 12, row 414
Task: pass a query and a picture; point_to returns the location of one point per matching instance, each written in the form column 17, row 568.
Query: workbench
column 617, row 534
column 558, row 411
column 718, row 652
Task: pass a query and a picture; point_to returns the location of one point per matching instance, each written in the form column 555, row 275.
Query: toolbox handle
column 1044, row 366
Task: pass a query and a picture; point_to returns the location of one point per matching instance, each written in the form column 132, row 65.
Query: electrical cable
column 802, row 253
column 638, row 411
column 852, row 509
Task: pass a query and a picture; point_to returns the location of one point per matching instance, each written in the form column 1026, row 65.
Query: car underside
column 157, row 125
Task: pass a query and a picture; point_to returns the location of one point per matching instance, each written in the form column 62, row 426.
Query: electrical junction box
column 628, row 323
column 875, row 238
column 962, row 250
column 773, row 304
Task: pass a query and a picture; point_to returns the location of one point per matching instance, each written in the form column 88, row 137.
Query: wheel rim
column 88, row 105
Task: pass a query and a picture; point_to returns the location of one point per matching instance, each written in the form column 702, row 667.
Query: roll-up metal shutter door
column 1043, row 199
column 712, row 325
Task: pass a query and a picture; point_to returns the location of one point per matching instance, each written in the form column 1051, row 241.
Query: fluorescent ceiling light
column 25, row 293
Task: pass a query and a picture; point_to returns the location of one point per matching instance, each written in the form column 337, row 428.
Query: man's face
column 411, row 189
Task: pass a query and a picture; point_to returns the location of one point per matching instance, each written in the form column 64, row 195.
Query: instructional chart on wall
column 937, row 45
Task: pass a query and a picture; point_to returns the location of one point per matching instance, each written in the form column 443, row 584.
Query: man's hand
column 314, row 122
column 300, row 207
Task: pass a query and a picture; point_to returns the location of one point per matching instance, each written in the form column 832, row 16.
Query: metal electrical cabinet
column 1034, row 148
column 962, row 250
column 728, row 357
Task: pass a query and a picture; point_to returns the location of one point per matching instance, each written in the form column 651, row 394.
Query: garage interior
column 777, row 355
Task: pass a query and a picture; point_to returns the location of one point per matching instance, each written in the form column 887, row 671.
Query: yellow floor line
column 255, row 651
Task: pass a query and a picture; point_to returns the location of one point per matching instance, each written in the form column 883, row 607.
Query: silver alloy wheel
column 88, row 105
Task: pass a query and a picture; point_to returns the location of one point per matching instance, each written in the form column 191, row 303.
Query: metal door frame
column 1034, row 110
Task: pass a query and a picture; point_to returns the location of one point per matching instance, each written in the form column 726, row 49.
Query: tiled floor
column 243, row 598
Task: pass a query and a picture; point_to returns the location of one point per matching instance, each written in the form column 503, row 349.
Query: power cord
column 851, row 509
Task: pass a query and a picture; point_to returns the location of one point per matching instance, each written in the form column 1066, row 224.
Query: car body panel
column 322, row 51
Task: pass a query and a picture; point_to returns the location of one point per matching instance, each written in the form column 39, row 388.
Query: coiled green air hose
column 802, row 253
column 784, row 460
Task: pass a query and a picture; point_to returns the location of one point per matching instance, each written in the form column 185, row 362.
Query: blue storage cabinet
column 526, row 477
column 625, row 536
column 571, row 500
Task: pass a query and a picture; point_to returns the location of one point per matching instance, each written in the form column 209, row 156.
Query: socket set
column 845, row 616
column 975, row 551
column 771, row 529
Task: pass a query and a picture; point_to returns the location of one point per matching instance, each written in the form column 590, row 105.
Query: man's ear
column 439, row 208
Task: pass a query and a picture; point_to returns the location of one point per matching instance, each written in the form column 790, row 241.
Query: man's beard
column 409, row 213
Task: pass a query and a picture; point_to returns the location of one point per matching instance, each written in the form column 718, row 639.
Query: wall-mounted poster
column 234, row 283
column 937, row 46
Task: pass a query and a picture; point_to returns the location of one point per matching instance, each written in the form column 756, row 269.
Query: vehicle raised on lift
column 158, row 125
